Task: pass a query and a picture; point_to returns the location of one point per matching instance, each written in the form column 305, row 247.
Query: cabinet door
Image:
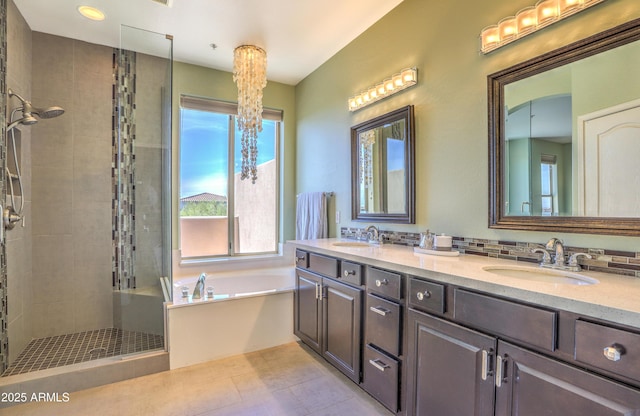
column 307, row 314
column 533, row 385
column 448, row 369
column 342, row 327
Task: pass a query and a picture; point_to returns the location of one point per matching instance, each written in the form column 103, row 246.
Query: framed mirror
column 382, row 168
column 564, row 138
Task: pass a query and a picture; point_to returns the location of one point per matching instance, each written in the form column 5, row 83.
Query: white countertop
column 615, row 298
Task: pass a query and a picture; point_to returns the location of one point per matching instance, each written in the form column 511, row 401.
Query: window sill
column 220, row 264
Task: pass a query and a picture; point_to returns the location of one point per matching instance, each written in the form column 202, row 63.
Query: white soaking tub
column 249, row 310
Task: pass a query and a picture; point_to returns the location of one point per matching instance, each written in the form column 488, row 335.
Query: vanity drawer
column 382, row 326
column 384, row 283
column 425, row 295
column 610, row 349
column 380, row 377
column 302, row 259
column 327, row 266
column 535, row 326
column 351, row 273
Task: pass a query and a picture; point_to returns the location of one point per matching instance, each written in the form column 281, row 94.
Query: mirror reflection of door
column 608, row 140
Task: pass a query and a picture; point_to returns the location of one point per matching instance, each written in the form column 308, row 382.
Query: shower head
column 27, row 120
column 28, row 110
column 49, row 112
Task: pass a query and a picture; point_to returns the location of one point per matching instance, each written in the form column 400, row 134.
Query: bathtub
column 249, row 310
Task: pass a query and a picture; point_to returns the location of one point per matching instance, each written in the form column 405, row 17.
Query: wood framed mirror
column 564, row 138
column 382, row 168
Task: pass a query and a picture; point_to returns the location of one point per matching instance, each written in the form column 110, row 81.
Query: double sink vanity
column 470, row 335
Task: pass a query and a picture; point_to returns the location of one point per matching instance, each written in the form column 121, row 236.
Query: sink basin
column 351, row 244
column 539, row 274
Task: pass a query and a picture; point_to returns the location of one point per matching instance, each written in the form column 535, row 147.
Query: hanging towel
column 311, row 216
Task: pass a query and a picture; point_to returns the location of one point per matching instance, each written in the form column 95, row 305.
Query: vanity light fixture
column 530, row 19
column 385, row 88
column 91, row 13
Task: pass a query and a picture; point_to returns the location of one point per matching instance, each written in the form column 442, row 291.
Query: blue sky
column 204, row 149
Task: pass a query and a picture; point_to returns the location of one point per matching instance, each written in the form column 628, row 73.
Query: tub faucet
column 198, row 291
column 556, row 244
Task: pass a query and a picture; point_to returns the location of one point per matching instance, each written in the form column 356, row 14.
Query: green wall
column 204, row 82
column 440, row 38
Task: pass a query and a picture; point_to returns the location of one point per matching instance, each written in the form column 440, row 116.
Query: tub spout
column 198, row 291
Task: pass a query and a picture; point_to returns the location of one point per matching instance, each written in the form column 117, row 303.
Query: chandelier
column 250, row 74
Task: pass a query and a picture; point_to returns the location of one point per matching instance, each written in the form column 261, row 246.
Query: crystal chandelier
column 250, row 74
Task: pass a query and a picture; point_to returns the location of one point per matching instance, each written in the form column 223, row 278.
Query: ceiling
column 298, row 35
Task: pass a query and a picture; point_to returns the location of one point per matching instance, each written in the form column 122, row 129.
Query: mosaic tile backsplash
column 608, row 261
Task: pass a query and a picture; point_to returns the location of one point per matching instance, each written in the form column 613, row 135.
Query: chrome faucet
column 198, row 291
column 372, row 233
column 556, row 244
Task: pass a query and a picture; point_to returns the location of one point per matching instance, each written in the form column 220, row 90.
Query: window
column 220, row 214
column 549, row 185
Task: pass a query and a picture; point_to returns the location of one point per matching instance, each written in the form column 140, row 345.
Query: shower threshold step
column 62, row 350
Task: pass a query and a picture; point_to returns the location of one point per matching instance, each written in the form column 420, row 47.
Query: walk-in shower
column 83, row 274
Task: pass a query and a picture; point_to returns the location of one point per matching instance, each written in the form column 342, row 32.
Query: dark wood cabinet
column 533, row 385
column 307, row 316
column 342, row 327
column 453, row 370
column 432, row 348
column 449, row 369
column 328, row 314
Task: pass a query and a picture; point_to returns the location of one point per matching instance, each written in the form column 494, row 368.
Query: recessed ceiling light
column 91, row 13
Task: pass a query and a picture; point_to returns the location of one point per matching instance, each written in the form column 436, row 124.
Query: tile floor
column 285, row 380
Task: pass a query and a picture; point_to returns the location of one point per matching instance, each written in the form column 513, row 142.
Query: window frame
column 230, row 109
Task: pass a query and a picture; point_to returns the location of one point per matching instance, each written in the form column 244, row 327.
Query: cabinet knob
column 382, row 282
column 614, row 352
column 423, row 295
column 346, row 273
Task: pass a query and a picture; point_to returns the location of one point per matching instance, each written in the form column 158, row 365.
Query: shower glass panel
column 142, row 178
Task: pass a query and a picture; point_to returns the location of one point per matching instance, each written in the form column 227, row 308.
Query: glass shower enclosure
column 89, row 272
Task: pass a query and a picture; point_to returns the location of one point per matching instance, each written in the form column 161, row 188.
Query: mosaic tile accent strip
column 123, row 169
column 608, row 261
column 4, row 321
column 67, row 349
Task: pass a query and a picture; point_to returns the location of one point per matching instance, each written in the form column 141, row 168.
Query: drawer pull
column 500, row 366
column 378, row 364
column 614, row 352
column 423, row 295
column 486, row 372
column 348, row 272
column 379, row 310
column 382, row 282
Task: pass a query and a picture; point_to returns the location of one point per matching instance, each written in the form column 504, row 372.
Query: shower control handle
column 10, row 218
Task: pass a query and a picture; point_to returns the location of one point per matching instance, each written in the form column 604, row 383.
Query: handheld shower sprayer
column 29, row 111
column 30, row 115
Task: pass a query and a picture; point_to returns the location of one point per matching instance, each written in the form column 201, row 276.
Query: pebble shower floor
column 61, row 350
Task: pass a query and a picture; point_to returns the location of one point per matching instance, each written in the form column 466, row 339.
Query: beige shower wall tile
column 92, row 249
column 53, row 64
column 91, row 312
column 52, row 184
column 91, row 279
column 53, row 318
column 91, row 219
column 89, row 58
column 51, row 218
column 52, row 140
column 92, row 105
column 53, row 270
